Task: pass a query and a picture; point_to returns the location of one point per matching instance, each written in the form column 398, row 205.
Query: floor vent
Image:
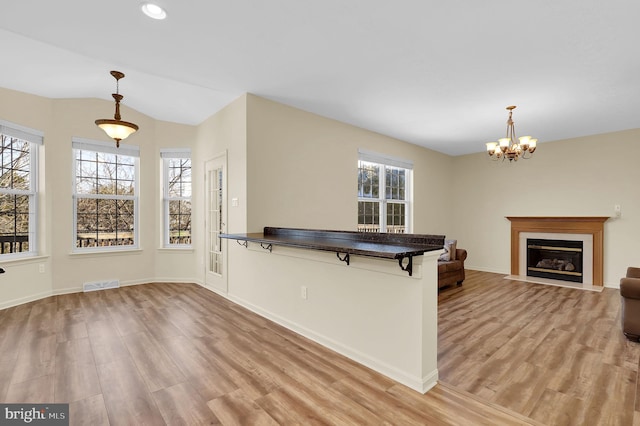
column 101, row 285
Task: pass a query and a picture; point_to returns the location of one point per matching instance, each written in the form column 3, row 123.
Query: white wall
column 584, row 176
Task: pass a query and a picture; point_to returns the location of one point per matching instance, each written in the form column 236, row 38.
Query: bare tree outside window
column 178, row 200
column 105, row 199
column 17, row 195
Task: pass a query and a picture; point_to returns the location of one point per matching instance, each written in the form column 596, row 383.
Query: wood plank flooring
column 553, row 354
column 510, row 353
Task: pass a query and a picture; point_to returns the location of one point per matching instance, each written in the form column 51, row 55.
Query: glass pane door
column 216, row 247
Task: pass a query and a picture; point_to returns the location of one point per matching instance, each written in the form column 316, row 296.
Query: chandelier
column 508, row 148
column 116, row 128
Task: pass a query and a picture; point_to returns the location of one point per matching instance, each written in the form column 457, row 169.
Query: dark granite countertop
column 388, row 246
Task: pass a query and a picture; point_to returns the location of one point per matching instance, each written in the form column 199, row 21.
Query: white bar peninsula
column 371, row 297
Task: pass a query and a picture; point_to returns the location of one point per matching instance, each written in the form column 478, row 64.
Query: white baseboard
column 26, row 299
column 174, row 280
column 79, row 289
column 483, row 269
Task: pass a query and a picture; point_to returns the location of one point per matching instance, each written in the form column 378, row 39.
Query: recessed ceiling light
column 153, row 11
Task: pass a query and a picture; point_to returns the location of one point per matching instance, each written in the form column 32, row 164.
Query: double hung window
column 18, row 190
column 177, row 197
column 105, row 199
column 384, row 193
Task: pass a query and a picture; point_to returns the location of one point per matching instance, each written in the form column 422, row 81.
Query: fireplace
column 555, row 259
column 588, row 229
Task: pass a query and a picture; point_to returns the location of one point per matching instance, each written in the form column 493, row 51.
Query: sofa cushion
column 450, row 246
column 630, row 288
column 448, row 266
column 445, row 256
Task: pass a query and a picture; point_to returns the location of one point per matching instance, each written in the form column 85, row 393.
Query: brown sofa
column 452, row 271
column 630, row 295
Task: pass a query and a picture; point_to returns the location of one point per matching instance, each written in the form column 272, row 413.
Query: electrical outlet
column 617, row 210
column 303, row 292
column 41, row 268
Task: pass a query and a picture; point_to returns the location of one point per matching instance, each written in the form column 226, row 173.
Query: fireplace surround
column 588, row 229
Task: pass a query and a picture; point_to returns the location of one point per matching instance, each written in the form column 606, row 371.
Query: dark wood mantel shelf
column 346, row 243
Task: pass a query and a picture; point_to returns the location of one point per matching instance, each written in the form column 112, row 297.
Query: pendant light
column 115, row 128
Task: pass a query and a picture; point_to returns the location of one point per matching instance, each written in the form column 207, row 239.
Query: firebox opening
column 555, row 259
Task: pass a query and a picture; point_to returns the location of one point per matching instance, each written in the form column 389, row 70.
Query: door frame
column 217, row 282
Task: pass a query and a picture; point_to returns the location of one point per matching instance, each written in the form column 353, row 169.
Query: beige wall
column 171, row 264
column 302, row 171
column 23, row 280
column 61, row 120
column 291, row 168
column 75, row 118
column 226, row 132
column 584, row 176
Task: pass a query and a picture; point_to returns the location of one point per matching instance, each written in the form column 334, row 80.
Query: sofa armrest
column 461, row 254
column 633, row 272
column 630, row 288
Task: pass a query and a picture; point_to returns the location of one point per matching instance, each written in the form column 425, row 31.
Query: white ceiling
column 434, row 73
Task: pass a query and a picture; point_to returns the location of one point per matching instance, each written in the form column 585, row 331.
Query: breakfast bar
column 369, row 296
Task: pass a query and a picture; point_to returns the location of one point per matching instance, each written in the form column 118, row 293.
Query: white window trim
column 165, row 154
column 99, row 146
column 387, row 160
column 36, row 139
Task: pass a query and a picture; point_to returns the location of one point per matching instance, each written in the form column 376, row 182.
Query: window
column 177, row 197
column 105, row 196
column 18, row 190
column 384, row 193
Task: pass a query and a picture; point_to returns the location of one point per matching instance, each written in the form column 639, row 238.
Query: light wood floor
column 556, row 355
column 179, row 354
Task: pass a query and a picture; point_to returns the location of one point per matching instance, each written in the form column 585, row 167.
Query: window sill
column 177, row 249
column 24, row 260
column 100, row 253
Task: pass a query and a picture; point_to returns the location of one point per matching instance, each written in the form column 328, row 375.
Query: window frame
column 133, row 151
column 35, row 140
column 383, row 162
column 166, row 155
